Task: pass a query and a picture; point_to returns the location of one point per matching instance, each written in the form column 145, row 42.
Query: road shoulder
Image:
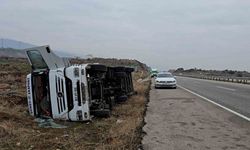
column 176, row 119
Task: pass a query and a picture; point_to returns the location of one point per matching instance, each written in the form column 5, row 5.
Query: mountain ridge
column 14, row 48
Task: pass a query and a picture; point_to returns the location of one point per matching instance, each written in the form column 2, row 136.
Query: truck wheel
column 121, row 74
column 122, row 98
column 102, row 113
column 110, row 103
column 129, row 69
column 119, row 69
column 106, row 113
column 95, row 67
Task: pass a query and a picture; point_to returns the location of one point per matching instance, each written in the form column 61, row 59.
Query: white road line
column 225, row 88
column 223, row 107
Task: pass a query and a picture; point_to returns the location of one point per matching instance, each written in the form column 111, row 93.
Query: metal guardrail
column 242, row 80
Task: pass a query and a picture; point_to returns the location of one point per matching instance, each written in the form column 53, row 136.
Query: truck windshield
column 36, row 60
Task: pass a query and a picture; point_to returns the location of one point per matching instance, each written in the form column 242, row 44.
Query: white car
column 166, row 80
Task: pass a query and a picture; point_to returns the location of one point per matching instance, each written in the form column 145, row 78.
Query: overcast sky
column 208, row 34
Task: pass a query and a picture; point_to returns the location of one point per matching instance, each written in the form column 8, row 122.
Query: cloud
column 164, row 33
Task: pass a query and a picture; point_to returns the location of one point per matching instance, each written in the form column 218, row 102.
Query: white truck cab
column 56, row 89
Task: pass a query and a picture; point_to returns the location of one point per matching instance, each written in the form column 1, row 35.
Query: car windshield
column 164, row 76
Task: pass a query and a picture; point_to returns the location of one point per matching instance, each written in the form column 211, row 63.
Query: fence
column 242, row 80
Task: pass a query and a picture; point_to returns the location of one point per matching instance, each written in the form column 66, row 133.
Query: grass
column 18, row 130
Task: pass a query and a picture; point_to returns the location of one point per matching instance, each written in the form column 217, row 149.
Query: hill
column 9, row 43
column 9, row 52
column 18, row 53
column 13, row 48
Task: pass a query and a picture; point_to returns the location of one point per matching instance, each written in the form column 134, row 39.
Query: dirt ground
column 18, row 130
column 178, row 120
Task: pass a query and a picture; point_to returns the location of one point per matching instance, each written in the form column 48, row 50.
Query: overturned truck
column 59, row 90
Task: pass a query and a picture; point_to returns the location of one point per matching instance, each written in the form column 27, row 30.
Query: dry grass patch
column 18, row 130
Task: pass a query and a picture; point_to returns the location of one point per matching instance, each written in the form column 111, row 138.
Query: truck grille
column 60, row 94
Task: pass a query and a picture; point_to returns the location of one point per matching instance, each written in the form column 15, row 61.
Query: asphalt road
column 178, row 120
column 231, row 95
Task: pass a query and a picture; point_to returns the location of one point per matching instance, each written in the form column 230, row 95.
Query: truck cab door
column 43, row 58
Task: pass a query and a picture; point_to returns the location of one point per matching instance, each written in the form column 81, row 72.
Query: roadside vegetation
column 18, row 130
column 223, row 73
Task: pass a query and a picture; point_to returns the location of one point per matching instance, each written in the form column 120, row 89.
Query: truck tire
column 102, row 113
column 96, row 67
column 127, row 69
column 122, row 98
column 120, row 74
column 110, row 103
column 119, row 69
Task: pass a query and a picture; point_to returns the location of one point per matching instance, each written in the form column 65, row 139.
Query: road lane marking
column 223, row 107
column 225, row 88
